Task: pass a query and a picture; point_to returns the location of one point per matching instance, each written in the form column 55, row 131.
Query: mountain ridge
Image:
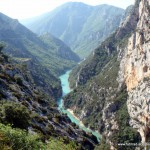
column 80, row 30
column 42, row 59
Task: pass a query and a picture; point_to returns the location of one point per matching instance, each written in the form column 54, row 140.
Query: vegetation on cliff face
column 98, row 61
column 97, row 91
column 46, row 57
column 99, row 97
column 125, row 134
column 14, row 139
column 135, row 70
column 28, row 114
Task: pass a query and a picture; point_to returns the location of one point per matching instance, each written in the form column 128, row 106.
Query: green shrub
column 103, row 145
column 55, row 144
column 18, row 139
column 125, row 134
column 15, row 114
column 18, row 79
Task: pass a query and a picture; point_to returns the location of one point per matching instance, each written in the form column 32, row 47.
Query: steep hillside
column 58, row 48
column 46, row 58
column 29, row 118
column 112, row 85
column 103, row 21
column 80, row 26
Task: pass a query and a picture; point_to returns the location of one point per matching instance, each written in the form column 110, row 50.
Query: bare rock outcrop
column 135, row 71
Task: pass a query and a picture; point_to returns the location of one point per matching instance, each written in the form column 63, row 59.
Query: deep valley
column 76, row 78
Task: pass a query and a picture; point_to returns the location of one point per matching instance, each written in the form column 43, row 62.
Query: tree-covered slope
column 79, row 25
column 103, row 20
column 46, row 58
column 58, row 56
column 29, row 118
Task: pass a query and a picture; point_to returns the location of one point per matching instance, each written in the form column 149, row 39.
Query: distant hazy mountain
column 45, row 61
column 80, row 26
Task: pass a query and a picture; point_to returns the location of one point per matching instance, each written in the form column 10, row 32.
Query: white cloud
column 28, row 8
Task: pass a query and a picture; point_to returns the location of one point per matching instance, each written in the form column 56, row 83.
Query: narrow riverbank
column 66, row 89
column 71, row 112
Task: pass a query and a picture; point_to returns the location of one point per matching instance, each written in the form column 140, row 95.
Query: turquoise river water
column 66, row 89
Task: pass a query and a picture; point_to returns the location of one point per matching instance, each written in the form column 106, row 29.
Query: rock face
column 135, row 70
column 16, row 89
column 114, row 95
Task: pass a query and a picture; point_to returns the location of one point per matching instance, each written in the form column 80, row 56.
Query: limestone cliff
column 135, row 71
column 114, row 95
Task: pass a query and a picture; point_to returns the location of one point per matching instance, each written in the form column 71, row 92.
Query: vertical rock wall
column 135, row 71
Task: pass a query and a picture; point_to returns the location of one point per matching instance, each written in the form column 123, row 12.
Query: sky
column 21, row 9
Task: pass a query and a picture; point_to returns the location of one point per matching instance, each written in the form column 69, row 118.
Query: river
column 66, row 89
